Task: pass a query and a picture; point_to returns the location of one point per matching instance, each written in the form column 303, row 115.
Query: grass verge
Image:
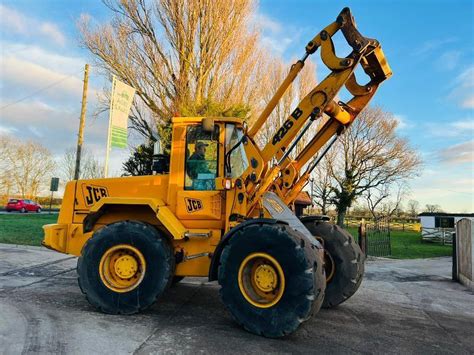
column 408, row 245
column 26, row 229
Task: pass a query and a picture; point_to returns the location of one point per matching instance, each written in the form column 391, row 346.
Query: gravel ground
column 403, row 306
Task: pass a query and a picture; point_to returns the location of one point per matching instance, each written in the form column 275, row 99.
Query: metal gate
column 376, row 234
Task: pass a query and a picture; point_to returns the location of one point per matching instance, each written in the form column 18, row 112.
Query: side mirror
column 245, row 127
column 207, row 124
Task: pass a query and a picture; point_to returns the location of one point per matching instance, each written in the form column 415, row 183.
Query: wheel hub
column 126, row 266
column 261, row 280
column 265, row 278
column 122, row 268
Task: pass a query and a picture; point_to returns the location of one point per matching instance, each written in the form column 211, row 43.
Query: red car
column 22, row 206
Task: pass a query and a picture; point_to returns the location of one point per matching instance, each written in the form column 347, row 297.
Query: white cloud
column 466, row 126
column 449, row 60
column 433, row 44
column 12, row 20
column 24, row 76
column 463, row 90
column 51, row 30
column 402, row 122
column 458, row 154
column 51, row 77
column 275, row 36
column 40, row 115
column 456, row 129
column 266, row 23
column 450, row 187
column 277, row 44
column 35, row 54
column 468, row 102
column 7, row 130
column 15, row 22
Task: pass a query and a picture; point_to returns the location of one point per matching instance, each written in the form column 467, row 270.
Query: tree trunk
column 341, row 214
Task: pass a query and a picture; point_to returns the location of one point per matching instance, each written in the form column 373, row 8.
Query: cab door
column 199, row 204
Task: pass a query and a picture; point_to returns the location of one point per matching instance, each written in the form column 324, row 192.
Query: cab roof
column 199, row 119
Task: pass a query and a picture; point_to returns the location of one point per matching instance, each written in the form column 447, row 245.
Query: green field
column 26, row 229
column 408, row 245
column 16, row 228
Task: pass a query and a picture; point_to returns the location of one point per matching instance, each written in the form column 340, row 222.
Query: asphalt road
column 26, row 214
column 402, row 307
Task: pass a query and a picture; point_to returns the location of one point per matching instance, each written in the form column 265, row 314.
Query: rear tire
column 298, row 280
column 38, row 210
column 133, row 246
column 347, row 258
column 23, row 210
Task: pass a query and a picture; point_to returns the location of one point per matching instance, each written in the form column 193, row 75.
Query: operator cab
column 207, row 154
column 204, row 139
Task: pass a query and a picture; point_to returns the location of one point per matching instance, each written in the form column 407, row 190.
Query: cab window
column 201, row 158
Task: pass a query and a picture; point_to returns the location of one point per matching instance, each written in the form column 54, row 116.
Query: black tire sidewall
column 348, row 259
column 156, row 252
column 294, row 305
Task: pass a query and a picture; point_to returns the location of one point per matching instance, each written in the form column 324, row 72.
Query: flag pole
column 107, row 152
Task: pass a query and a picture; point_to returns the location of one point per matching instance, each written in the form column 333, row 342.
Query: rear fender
column 163, row 214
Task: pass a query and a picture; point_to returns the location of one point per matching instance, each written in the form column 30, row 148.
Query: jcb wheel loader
column 219, row 208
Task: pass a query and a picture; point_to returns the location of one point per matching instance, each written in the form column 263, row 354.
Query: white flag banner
column 120, row 105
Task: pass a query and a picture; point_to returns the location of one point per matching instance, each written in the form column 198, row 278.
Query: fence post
column 363, row 237
column 455, row 260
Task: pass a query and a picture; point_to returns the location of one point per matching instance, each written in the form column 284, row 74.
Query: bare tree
column 386, row 200
column 179, row 53
column 90, row 167
column 29, row 164
column 375, row 197
column 276, row 73
column 432, row 208
column 413, row 208
column 321, row 183
column 6, row 170
column 369, row 155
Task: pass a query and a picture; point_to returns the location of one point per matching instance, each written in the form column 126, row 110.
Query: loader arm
column 285, row 177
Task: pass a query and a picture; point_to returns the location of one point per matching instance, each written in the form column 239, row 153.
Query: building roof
column 443, row 214
column 303, row 198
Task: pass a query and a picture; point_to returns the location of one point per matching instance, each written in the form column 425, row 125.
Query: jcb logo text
column 193, row 205
column 93, row 193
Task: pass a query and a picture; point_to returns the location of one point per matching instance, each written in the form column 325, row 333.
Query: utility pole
column 82, row 122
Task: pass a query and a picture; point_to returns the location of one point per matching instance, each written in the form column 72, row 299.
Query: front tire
column 23, row 210
column 272, row 279
column 346, row 260
column 125, row 267
column 38, row 210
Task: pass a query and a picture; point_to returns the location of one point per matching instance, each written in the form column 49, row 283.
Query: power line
column 38, row 91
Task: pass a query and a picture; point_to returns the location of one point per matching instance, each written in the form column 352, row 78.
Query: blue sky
column 429, row 45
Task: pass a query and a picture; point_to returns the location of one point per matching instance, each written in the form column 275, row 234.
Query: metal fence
column 374, row 238
column 438, row 235
column 404, row 225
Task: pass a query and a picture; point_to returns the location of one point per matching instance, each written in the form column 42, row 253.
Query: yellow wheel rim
column 122, row 268
column 329, row 266
column 261, row 280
